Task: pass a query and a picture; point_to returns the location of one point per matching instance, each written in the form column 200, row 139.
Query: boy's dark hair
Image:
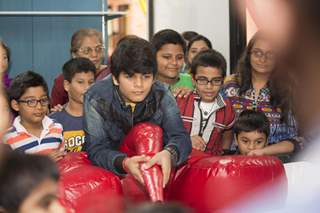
column 23, row 81
column 250, row 120
column 20, row 174
column 77, row 65
column 209, row 58
column 188, row 35
column 167, row 36
column 133, row 55
column 199, row 38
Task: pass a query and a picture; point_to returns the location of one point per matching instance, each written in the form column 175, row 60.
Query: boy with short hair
column 251, row 131
column 170, row 50
column 32, row 131
column 79, row 75
column 207, row 116
column 28, row 183
column 115, row 106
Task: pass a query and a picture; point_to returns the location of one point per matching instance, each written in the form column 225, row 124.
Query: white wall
column 207, row 17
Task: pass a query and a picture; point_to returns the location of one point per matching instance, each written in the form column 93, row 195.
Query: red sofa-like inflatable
column 229, row 183
column 85, row 188
column 206, row 184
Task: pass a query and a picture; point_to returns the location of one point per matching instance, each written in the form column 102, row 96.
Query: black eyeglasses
column 260, row 54
column 34, row 102
column 213, row 81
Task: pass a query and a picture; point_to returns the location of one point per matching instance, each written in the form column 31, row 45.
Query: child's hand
column 256, row 152
column 181, row 92
column 163, row 159
column 57, row 155
column 198, row 143
column 57, row 108
column 132, row 166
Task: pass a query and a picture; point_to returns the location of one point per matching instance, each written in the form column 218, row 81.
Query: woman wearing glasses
column 85, row 43
column 252, row 87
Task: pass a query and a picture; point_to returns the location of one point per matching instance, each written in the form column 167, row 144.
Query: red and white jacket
column 221, row 118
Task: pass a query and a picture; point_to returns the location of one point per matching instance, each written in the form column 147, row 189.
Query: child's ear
column 115, row 81
column 73, row 55
column 66, row 85
column 14, row 105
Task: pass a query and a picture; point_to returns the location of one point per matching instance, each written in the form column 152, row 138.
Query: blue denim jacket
column 107, row 120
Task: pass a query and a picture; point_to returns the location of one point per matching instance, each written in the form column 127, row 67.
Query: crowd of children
column 179, row 89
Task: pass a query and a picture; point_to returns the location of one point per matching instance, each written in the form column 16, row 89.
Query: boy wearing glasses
column 207, row 116
column 32, row 131
column 79, row 75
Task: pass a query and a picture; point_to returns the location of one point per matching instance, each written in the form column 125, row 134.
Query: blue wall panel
column 43, row 43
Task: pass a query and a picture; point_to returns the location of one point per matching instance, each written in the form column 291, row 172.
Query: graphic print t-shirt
column 73, row 134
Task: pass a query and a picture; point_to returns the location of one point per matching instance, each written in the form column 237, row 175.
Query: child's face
column 43, row 199
column 170, row 59
column 32, row 105
column 195, row 48
column 78, row 86
column 248, row 141
column 208, row 91
column 3, row 60
column 134, row 89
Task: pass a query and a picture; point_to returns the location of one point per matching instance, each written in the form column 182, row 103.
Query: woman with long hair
column 253, row 87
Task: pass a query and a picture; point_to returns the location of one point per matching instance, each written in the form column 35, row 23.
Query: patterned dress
column 279, row 131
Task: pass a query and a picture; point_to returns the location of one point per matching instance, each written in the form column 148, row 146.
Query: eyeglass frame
column 89, row 50
column 209, row 81
column 269, row 55
column 43, row 102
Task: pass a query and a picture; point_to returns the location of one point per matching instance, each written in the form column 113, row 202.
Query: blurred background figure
column 296, row 33
column 28, row 183
column 5, row 60
column 160, row 208
column 4, row 107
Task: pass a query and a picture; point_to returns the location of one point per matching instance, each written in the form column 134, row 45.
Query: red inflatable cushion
column 82, row 186
column 217, row 183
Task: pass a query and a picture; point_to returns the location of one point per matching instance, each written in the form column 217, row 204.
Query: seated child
column 115, row 106
column 32, row 131
column 28, row 183
column 207, row 116
column 251, row 131
column 79, row 75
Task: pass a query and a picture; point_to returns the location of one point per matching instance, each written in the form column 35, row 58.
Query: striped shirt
column 50, row 138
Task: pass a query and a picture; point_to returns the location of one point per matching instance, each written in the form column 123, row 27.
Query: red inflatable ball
column 215, row 184
column 86, row 188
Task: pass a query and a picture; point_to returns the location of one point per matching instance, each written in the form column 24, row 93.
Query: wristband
column 173, row 154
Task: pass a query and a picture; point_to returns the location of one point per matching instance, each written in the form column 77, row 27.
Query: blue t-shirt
column 73, row 134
